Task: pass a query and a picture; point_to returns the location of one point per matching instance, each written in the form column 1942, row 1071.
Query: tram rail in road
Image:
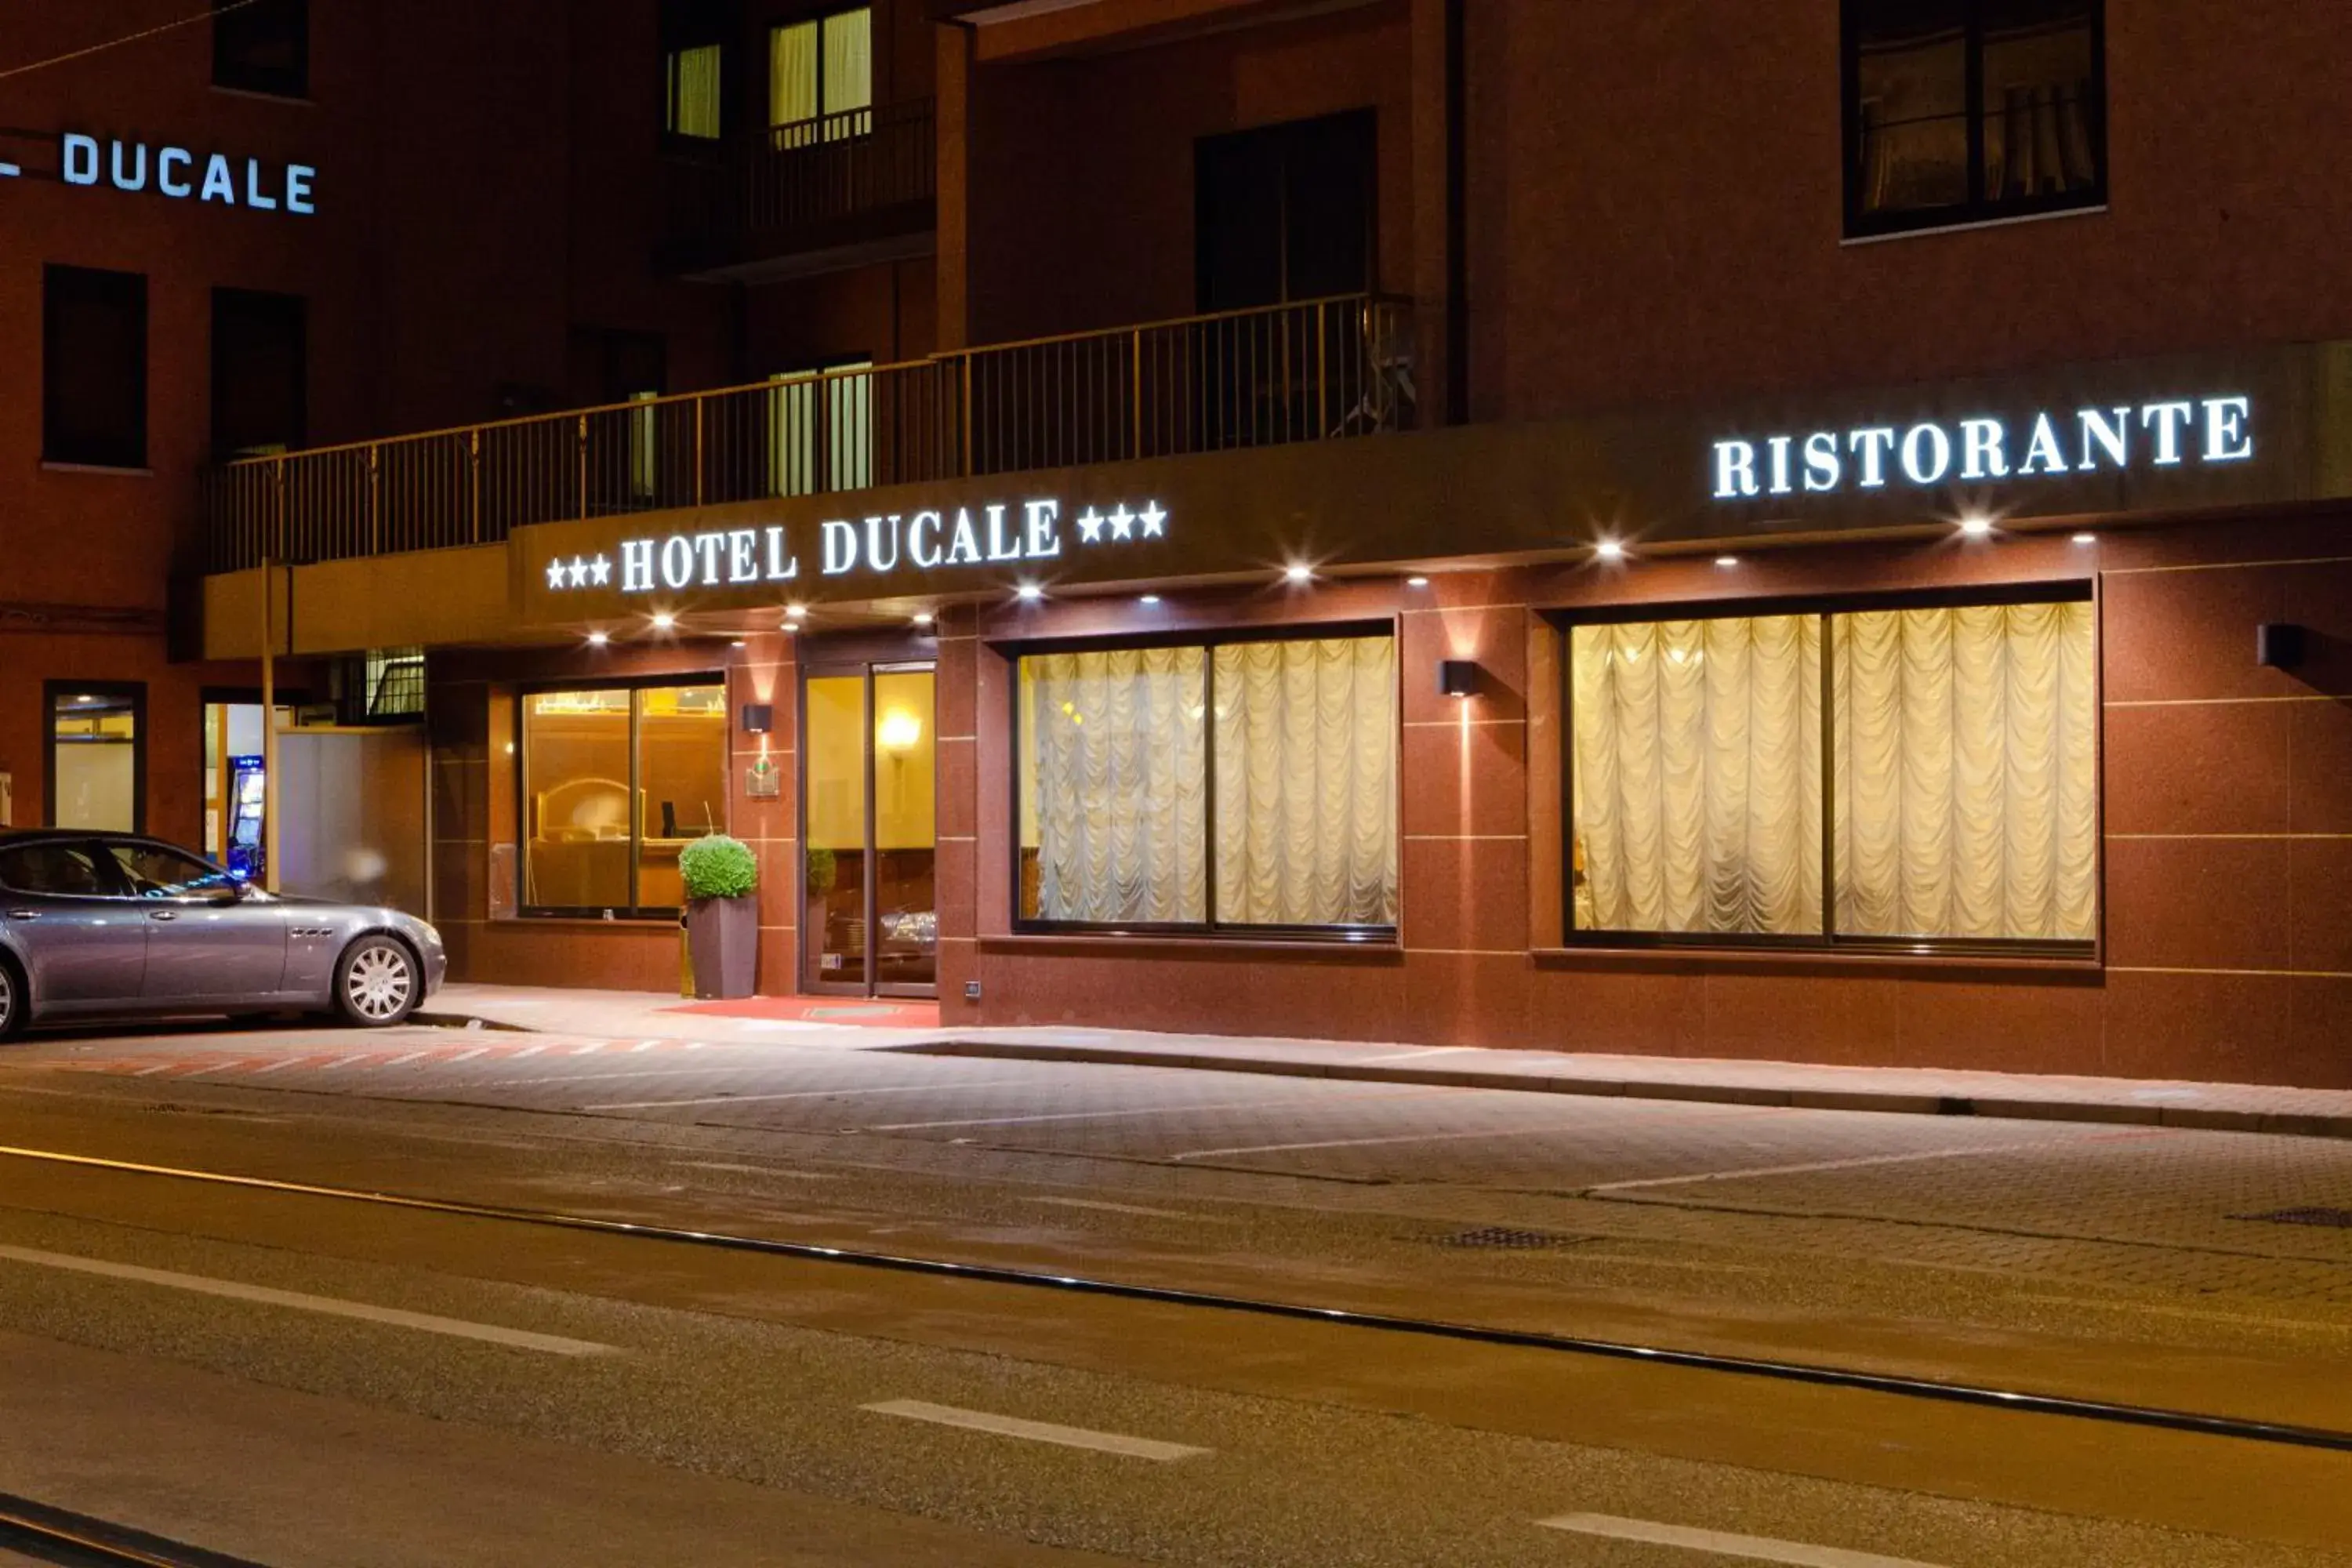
column 2021, row 1400
column 48, row 1534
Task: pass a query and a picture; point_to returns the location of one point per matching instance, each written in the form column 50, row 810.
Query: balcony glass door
column 868, row 776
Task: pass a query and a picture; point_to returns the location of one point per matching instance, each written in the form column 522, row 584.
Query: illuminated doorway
column 869, row 909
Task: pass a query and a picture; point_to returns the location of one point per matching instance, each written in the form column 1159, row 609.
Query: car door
column 84, row 945
column 209, row 938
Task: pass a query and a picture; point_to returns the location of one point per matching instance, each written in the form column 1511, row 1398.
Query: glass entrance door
column 870, row 919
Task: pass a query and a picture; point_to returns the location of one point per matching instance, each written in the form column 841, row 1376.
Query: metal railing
column 1314, row 371
column 757, row 191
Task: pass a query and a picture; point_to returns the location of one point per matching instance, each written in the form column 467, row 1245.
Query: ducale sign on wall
column 174, row 173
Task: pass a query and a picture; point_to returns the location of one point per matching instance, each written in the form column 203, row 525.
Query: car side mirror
column 234, row 893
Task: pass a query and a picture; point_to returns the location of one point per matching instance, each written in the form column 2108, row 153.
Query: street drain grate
column 1510, row 1237
column 2339, row 1219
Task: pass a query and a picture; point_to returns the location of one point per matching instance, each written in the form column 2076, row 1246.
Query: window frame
column 1208, row 640
column 1977, row 208
column 1828, row 941
column 136, row 691
column 231, row 74
column 635, row 686
column 125, row 460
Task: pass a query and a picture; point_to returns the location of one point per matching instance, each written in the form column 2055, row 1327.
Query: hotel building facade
column 1618, row 527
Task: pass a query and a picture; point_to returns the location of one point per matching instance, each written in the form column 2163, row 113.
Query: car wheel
column 16, row 1010
column 377, row 983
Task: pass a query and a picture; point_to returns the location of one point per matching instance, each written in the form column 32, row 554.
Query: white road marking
column 694, row 1045
column 469, row 1056
column 1120, row 1208
column 159, row 1067
column 1755, row 1548
column 1037, row 1431
column 409, row 1058
column 1361, row 1142
column 1079, row 1115
column 278, row 1065
column 523, row 1339
column 756, row 1170
column 529, row 1051
column 1859, row 1163
column 643, row 1045
column 799, row 1094
column 590, row 1049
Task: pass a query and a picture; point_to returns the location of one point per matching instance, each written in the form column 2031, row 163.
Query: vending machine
column 246, row 791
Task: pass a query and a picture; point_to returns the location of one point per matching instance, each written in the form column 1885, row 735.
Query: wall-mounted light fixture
column 1457, row 678
column 759, row 718
column 2278, row 645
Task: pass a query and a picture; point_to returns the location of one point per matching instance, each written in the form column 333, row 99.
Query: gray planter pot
column 723, row 937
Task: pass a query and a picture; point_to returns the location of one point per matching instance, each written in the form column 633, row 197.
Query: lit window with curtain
column 696, row 75
column 1241, row 785
column 1897, row 776
column 616, row 782
column 1964, row 110
column 821, row 78
column 820, row 430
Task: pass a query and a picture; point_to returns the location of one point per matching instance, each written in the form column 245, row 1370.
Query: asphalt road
column 307, row 1379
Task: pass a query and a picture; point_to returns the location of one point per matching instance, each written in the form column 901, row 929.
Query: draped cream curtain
column 1963, row 796
column 1698, row 776
column 1115, row 787
column 1306, row 782
column 818, row 69
column 693, row 77
column 1118, row 821
column 848, row 67
column 792, row 74
column 1967, row 780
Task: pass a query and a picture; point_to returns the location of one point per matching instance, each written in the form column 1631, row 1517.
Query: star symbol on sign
column 600, row 571
column 1122, row 522
column 1154, row 521
column 1090, row 527
column 579, row 572
column 555, row 574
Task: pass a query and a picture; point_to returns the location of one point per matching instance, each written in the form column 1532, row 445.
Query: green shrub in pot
column 717, row 867
column 722, row 918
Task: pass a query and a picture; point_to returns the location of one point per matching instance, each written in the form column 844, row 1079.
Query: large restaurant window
column 1932, row 767
column 94, row 367
column 616, row 782
column 1964, row 110
column 97, row 773
column 262, row 45
column 1242, row 784
column 821, row 78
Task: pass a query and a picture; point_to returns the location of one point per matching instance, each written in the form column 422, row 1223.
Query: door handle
column 162, row 915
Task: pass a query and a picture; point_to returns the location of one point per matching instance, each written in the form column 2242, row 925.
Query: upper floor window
column 260, row 380
column 694, row 68
column 1284, row 213
column 262, row 45
column 820, row 77
column 94, row 367
column 1965, row 110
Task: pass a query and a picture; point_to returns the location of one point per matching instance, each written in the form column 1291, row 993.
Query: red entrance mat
column 872, row 1015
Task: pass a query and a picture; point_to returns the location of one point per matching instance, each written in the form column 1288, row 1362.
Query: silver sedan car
column 116, row 923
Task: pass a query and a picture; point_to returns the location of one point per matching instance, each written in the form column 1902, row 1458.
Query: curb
column 2204, row 1119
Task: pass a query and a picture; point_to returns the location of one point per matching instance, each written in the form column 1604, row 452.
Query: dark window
column 94, row 367
column 1963, row 111
column 97, row 755
column 262, row 45
column 69, row 870
column 259, row 378
column 1284, row 212
column 152, row 872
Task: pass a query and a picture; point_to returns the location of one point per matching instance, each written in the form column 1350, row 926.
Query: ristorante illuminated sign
column 2052, row 445
column 179, row 174
column 995, row 535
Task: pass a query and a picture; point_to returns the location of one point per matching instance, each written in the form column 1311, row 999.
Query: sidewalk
column 848, row 1023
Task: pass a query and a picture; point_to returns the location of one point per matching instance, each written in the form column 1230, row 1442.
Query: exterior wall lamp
column 759, row 718
column 1457, row 678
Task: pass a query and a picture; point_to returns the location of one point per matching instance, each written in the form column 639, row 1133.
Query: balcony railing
column 1320, row 370
column 805, row 182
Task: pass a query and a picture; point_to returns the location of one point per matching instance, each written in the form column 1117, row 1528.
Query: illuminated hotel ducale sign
column 2049, row 444
column 995, row 535
column 181, row 173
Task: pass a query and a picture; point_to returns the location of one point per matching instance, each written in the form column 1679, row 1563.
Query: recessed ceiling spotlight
column 1298, row 572
column 1726, row 560
column 1416, row 582
column 922, row 617
column 796, row 610
column 1028, row 593
column 1976, row 527
column 1610, row 550
column 663, row 620
column 788, row 625
column 2086, row 539
column 739, row 642
column 1149, row 599
column 598, row 639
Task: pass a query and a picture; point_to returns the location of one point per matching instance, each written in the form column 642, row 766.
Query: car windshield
column 155, row 872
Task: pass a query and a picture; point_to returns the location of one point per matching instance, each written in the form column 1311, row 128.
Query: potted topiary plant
column 722, row 916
